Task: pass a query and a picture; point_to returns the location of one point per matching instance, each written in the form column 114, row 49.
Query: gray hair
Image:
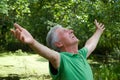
column 52, row 37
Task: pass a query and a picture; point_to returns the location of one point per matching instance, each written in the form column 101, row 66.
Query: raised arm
column 93, row 41
column 25, row 37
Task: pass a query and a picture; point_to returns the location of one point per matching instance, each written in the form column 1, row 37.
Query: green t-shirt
column 72, row 67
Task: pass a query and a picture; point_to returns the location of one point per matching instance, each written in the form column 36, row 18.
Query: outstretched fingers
column 96, row 23
column 99, row 26
column 22, row 34
column 17, row 26
column 13, row 31
column 102, row 27
column 17, row 31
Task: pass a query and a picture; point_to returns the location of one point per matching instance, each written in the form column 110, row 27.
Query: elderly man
column 66, row 62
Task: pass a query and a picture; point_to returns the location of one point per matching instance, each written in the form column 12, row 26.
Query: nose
column 71, row 31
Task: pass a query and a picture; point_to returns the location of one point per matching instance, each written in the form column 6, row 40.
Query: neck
column 71, row 49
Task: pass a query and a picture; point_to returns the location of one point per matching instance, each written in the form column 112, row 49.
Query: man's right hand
column 22, row 34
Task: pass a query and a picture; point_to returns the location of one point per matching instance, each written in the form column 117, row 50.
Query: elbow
column 55, row 61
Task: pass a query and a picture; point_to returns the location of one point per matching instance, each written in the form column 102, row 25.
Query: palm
column 27, row 38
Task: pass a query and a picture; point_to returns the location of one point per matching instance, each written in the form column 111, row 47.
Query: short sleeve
column 84, row 52
column 56, row 72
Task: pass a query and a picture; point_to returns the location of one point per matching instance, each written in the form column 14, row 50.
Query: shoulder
column 83, row 51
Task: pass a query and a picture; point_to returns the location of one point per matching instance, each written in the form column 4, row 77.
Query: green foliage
column 38, row 16
column 107, row 72
column 20, row 53
column 3, row 7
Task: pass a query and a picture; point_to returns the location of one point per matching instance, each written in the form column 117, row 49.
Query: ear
column 58, row 44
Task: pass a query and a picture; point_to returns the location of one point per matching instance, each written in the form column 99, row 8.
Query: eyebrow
column 64, row 29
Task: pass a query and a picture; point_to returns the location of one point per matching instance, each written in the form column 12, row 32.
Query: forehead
column 61, row 29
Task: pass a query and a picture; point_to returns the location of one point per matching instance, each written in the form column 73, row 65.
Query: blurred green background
column 38, row 16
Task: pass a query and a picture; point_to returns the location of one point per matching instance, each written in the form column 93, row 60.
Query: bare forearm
column 93, row 41
column 47, row 53
column 42, row 50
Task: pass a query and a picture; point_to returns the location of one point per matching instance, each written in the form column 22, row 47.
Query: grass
column 21, row 66
column 27, row 67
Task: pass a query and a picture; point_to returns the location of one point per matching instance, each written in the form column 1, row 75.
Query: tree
column 39, row 16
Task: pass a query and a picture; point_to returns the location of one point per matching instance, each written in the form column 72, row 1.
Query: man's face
column 66, row 37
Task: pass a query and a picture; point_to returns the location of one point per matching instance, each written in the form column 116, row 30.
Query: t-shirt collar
column 68, row 53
